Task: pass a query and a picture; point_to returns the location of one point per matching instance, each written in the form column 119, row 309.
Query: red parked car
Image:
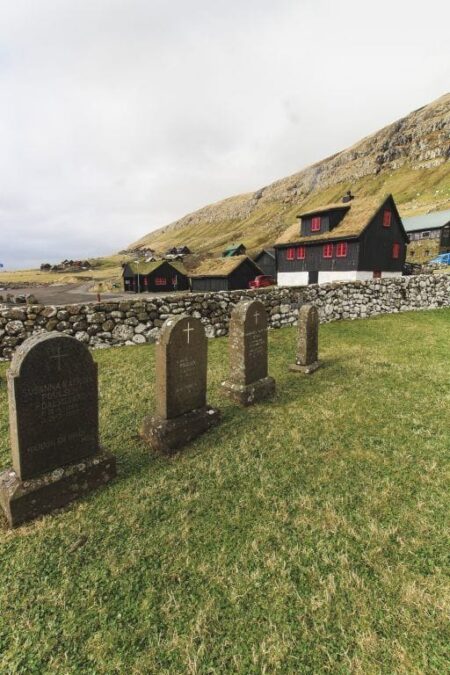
column 261, row 281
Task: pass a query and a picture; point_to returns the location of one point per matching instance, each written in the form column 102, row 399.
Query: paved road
column 69, row 294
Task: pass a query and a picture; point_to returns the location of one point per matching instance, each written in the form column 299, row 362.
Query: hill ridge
column 405, row 156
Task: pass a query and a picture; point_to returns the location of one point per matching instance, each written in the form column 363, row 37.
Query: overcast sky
column 120, row 116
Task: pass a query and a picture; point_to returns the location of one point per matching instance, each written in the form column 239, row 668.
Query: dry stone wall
column 138, row 320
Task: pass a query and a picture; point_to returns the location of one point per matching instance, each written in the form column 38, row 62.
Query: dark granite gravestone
column 308, row 341
column 53, row 413
column 248, row 381
column 182, row 413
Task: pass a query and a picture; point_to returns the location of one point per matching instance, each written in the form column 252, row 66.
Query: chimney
column 348, row 197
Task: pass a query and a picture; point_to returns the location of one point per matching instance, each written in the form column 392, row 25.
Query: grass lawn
column 303, row 535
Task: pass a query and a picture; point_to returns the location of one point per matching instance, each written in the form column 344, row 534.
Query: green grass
column 303, row 535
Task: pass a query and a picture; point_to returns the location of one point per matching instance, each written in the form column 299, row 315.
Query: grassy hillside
column 304, row 535
column 409, row 158
column 415, row 191
column 106, row 271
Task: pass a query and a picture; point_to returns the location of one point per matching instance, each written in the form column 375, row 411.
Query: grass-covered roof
column 145, row 268
column 219, row 267
column 359, row 213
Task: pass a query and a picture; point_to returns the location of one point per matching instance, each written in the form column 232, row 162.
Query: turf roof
column 145, row 268
column 220, row 267
column 360, row 212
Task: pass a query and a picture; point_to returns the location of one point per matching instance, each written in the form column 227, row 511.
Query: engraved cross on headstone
column 188, row 330
column 59, row 356
column 256, row 315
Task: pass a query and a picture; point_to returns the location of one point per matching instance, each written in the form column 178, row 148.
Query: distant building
column 266, row 261
column 234, row 249
column 429, row 235
column 357, row 238
column 224, row 274
column 179, row 250
column 161, row 276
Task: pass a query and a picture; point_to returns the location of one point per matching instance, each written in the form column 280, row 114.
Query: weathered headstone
column 181, row 413
column 308, row 341
column 53, row 413
column 248, row 381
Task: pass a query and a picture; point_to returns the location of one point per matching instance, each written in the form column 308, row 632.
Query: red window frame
column 290, row 254
column 396, row 250
column 145, row 281
column 315, row 224
column 175, row 280
column 160, row 281
column 387, row 218
column 301, row 252
column 341, row 249
column 327, row 250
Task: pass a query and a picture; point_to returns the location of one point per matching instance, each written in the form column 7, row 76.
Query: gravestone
column 53, row 414
column 307, row 342
column 248, row 380
column 181, row 413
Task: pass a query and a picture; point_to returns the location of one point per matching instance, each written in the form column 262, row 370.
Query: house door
column 377, row 274
column 313, row 277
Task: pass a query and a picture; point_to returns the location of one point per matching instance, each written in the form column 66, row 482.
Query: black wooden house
column 266, row 261
column 359, row 238
column 224, row 274
column 162, row 276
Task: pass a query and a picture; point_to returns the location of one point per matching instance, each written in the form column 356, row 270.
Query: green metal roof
column 232, row 249
column 427, row 221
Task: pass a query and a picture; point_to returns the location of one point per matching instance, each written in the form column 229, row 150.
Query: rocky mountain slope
column 410, row 158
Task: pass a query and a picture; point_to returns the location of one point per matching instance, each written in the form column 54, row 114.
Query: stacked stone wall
column 137, row 320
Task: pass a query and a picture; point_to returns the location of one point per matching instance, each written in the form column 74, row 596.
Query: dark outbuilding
column 224, row 274
column 162, row 276
column 266, row 261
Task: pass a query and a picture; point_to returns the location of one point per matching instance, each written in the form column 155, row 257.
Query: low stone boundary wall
column 137, row 320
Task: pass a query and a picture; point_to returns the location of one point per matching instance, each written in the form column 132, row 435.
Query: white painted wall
column 301, row 278
column 347, row 275
column 292, row 278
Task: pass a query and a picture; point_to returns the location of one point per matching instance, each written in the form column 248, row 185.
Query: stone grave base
column 250, row 393
column 169, row 435
column 307, row 370
column 24, row 500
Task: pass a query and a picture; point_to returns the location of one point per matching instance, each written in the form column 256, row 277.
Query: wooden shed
column 224, row 274
column 162, row 276
column 266, row 261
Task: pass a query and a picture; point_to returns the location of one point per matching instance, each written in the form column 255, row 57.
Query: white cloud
column 118, row 116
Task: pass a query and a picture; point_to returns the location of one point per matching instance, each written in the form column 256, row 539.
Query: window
column 174, row 280
column 290, row 254
column 301, row 253
column 387, row 217
column 328, row 251
column 145, row 281
column 395, row 250
column 315, row 224
column 160, row 281
column 341, row 249
column 425, row 235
